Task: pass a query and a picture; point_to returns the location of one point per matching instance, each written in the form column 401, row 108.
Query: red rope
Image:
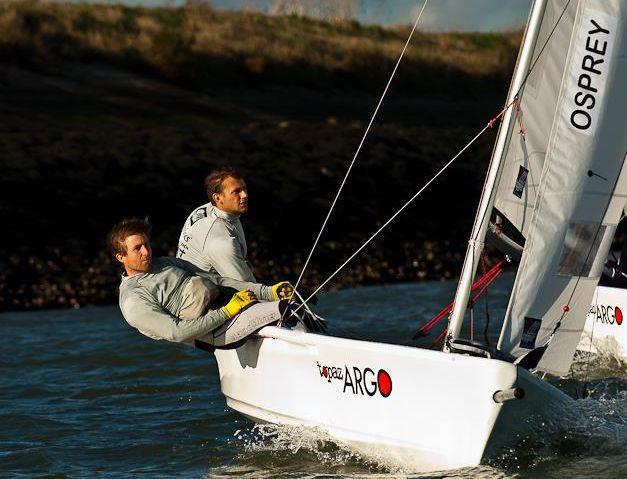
column 472, row 302
column 440, row 337
column 493, row 120
column 483, row 282
column 496, row 270
column 486, row 286
column 519, row 116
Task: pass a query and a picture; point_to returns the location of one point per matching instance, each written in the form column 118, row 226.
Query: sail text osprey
column 590, row 76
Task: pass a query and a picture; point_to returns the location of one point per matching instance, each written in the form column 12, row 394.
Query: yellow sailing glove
column 239, row 302
column 282, row 290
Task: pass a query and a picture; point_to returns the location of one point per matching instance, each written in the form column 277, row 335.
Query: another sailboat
column 561, row 188
column 604, row 333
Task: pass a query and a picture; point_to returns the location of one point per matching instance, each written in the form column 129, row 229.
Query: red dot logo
column 385, row 383
column 618, row 314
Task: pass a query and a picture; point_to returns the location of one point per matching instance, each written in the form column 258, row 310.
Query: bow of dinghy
column 426, row 409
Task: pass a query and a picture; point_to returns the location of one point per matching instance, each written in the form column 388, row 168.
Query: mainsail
column 528, row 135
column 579, row 190
column 558, row 185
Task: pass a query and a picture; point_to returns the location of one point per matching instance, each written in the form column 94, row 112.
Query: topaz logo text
column 358, row 381
column 330, row 372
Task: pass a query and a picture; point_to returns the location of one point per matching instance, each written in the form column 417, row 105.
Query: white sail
column 580, row 193
column 524, row 154
column 480, row 226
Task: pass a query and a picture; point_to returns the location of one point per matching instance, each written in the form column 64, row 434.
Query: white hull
column 438, row 414
column 604, row 331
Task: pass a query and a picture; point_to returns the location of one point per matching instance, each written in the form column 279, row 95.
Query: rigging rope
column 487, row 304
column 483, row 282
column 516, row 102
column 363, row 139
column 408, row 202
column 489, row 125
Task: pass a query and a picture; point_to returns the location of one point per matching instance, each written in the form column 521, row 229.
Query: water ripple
column 83, row 395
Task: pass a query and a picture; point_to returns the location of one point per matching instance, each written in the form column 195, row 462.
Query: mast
column 477, row 238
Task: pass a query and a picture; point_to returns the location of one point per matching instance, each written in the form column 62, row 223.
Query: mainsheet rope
column 361, row 143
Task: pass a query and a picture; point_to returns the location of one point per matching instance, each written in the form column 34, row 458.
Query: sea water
column 83, row 395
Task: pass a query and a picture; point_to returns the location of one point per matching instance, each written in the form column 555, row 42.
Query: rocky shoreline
column 59, row 280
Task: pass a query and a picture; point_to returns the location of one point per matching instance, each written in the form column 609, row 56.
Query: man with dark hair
column 169, row 298
column 212, row 237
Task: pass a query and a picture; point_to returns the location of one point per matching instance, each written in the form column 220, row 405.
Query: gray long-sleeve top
column 214, row 241
column 151, row 302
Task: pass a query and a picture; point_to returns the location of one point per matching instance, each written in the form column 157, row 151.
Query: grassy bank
column 109, row 112
column 200, row 47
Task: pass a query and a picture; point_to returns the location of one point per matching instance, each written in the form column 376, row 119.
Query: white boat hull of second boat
column 604, row 331
column 419, row 409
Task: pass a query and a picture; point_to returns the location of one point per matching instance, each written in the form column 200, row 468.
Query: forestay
column 570, row 205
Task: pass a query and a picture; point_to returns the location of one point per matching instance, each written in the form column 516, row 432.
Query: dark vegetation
column 108, row 112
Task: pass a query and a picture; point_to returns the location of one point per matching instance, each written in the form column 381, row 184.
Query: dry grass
column 199, row 46
column 329, row 10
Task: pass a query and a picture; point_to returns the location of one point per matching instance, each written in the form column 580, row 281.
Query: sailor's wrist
column 223, row 315
column 266, row 293
column 216, row 316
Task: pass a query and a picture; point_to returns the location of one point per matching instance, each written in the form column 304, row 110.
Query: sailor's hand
column 239, row 302
column 282, row 290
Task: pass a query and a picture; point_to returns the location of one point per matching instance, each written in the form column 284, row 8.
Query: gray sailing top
column 214, row 241
column 170, row 302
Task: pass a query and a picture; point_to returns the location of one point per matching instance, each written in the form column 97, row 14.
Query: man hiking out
column 169, row 298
